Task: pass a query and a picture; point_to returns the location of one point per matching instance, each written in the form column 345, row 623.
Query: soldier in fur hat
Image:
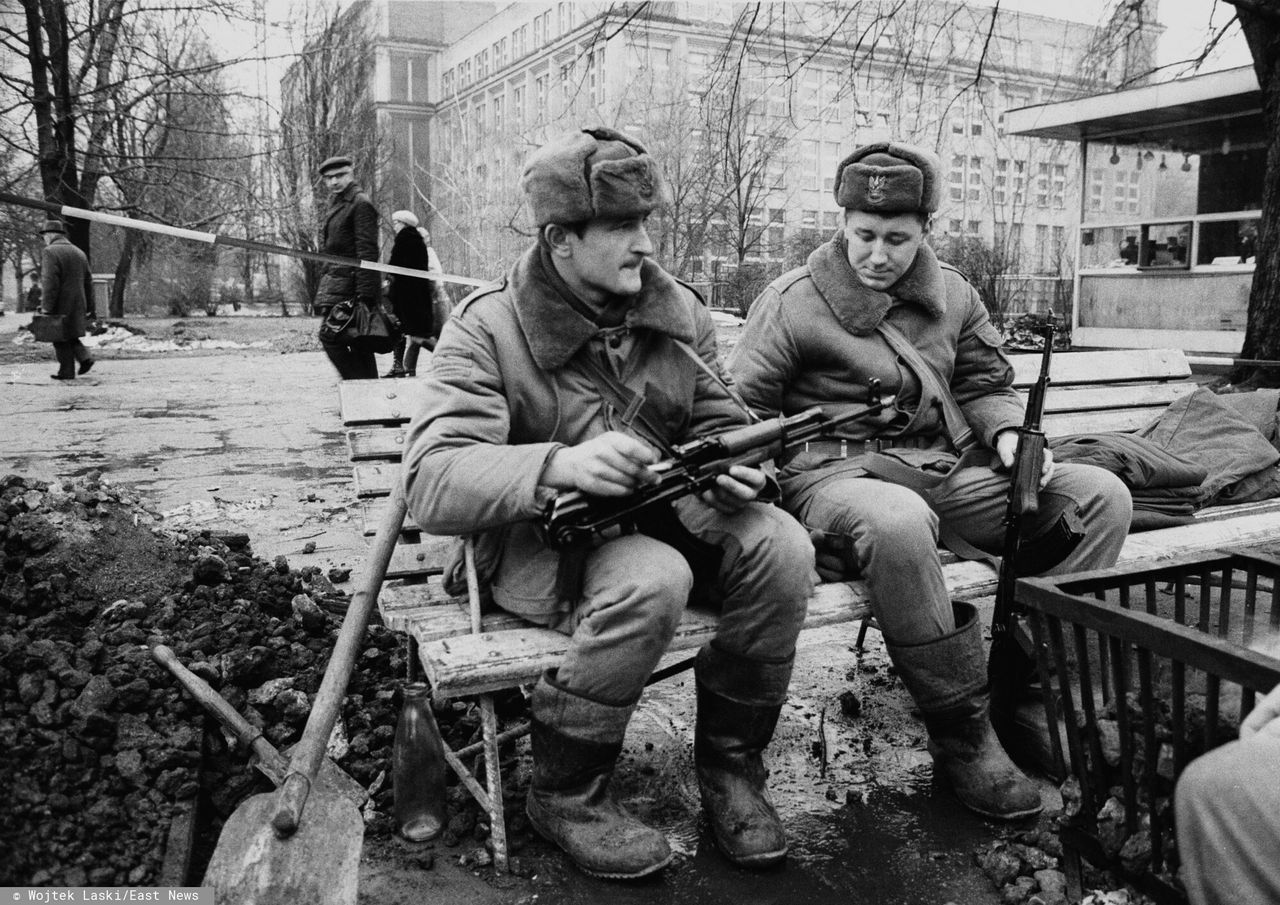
column 525, row 399
column 874, row 302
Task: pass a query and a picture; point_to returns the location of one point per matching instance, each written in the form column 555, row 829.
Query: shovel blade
column 319, row 864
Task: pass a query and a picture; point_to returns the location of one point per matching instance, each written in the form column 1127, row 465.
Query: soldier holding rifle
column 578, row 374
column 874, row 302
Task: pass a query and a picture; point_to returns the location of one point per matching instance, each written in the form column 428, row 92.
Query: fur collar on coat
column 860, row 309
column 556, row 329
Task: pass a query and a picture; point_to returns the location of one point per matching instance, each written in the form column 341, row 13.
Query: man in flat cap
column 67, row 291
column 350, row 229
column 576, row 374
column 874, row 302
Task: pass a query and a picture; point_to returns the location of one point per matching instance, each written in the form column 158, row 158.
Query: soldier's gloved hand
column 833, row 555
column 734, row 490
column 612, row 464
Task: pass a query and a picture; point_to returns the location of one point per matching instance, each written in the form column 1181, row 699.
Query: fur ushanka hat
column 590, row 174
column 889, row 178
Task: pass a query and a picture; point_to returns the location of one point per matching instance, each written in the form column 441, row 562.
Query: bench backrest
column 1089, row 392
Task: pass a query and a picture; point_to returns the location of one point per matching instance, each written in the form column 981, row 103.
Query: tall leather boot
column 576, row 743
column 947, row 677
column 739, row 700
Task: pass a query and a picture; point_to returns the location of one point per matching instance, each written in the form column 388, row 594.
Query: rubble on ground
column 103, row 747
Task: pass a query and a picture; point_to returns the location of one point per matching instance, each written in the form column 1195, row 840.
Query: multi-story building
column 748, row 108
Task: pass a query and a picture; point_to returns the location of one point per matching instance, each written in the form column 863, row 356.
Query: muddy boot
column 576, row 743
column 739, row 700
column 947, row 677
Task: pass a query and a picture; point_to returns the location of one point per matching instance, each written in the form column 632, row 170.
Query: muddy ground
column 249, row 440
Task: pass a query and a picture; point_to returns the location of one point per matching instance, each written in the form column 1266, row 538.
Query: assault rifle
column 573, row 519
column 1012, row 664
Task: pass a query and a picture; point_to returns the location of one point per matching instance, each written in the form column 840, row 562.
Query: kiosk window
column 1165, row 245
column 1227, row 241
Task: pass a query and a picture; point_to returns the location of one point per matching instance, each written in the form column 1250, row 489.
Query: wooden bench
column 464, row 653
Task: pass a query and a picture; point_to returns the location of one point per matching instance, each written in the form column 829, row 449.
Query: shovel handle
column 216, row 704
column 309, row 753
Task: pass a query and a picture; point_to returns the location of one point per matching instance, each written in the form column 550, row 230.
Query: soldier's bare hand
column 1007, row 451
column 612, row 464
column 734, row 490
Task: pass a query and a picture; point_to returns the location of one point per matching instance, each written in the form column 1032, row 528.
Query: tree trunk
column 1260, row 22
column 123, row 267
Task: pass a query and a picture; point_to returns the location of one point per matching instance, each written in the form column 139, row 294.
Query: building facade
column 748, row 108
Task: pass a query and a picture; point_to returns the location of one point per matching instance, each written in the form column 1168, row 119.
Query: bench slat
column 1118, row 366
column 376, row 443
column 473, row 664
column 379, row 401
column 425, row 556
column 395, row 401
column 1155, row 396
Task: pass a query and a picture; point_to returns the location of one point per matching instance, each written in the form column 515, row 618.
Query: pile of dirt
column 101, row 746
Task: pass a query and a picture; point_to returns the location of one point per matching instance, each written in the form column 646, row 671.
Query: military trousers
column 636, row 587
column 893, row 534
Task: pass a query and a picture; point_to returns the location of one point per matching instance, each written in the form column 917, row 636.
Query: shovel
column 270, row 762
column 302, row 844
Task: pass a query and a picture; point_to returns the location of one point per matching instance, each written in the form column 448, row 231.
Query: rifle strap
column 734, row 395
column 931, row 385
column 630, row 406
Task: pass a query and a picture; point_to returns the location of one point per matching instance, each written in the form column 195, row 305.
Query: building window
column 1019, row 185
column 499, row 113
column 517, row 105
column 972, row 228
column 1095, row 190
column 831, row 159
column 565, row 17
column 1119, row 194
column 1042, row 185
column 809, row 164
column 954, row 227
column 482, row 64
column 595, row 76
column 1042, row 246
column 538, row 35
column 975, row 179
column 830, row 220
column 956, row 177
column 1135, row 178
column 1002, row 180
column 809, row 219
column 540, row 97
column 1059, row 185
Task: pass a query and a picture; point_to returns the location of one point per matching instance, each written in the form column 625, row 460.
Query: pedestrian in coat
column 350, row 230
column 67, row 287
column 874, row 302
column 516, row 412
column 412, row 298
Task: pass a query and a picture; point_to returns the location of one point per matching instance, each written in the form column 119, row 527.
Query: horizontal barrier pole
column 217, row 239
column 1233, row 362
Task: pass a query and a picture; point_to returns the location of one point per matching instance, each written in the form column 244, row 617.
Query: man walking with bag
column 67, row 290
column 350, row 230
column 874, row 302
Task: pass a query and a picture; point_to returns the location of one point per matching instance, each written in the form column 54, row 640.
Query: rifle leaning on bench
column 575, row 520
column 1011, row 667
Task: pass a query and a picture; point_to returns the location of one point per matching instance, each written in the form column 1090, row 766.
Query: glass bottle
column 418, row 768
